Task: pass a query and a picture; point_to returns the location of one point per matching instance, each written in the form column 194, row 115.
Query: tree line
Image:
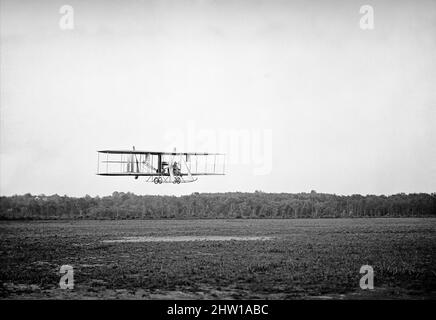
column 122, row 205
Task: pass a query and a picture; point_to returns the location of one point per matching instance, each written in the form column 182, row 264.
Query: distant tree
column 121, row 205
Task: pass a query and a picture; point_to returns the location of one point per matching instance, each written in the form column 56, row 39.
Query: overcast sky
column 323, row 104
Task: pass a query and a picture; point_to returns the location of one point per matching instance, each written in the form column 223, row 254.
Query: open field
column 275, row 259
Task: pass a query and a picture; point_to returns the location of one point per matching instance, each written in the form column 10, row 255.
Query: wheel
column 178, row 180
column 160, row 180
column 156, row 180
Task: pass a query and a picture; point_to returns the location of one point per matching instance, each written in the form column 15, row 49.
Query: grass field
column 291, row 259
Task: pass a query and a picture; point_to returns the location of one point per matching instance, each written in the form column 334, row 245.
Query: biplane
column 160, row 167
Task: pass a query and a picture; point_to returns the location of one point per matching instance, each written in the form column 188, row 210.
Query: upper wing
column 157, row 152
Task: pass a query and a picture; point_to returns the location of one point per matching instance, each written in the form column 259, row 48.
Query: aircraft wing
column 157, row 152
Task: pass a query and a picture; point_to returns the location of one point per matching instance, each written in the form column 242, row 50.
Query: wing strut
column 188, row 170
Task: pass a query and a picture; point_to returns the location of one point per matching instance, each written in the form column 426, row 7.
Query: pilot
column 176, row 168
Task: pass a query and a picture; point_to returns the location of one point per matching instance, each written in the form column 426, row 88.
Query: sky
column 296, row 93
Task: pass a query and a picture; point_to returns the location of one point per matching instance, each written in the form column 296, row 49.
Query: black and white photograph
column 218, row 150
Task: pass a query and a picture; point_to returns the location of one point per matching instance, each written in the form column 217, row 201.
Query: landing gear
column 157, row 180
column 164, row 179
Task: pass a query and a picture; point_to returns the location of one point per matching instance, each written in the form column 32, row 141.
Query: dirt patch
column 188, row 238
